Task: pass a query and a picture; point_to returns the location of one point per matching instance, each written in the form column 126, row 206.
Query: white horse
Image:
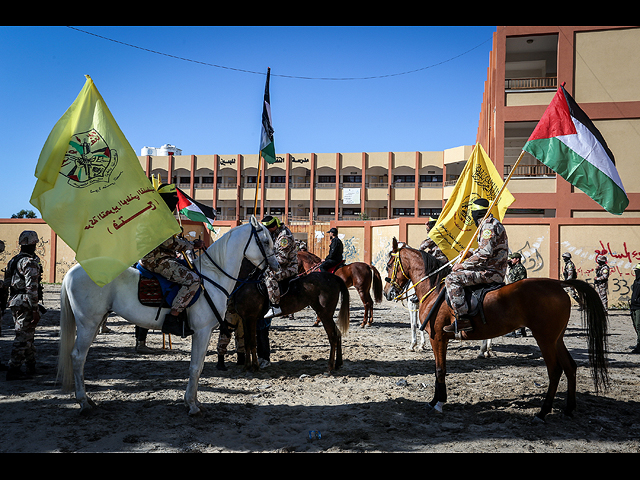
column 84, row 305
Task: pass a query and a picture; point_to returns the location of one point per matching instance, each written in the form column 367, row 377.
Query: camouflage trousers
column 234, row 321
column 272, row 278
column 456, row 281
column 602, row 288
column 178, row 273
column 24, row 350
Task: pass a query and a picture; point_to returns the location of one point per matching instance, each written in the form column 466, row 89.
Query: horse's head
column 397, row 278
column 259, row 248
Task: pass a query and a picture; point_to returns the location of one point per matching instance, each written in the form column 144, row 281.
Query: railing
column 539, row 170
column 531, row 83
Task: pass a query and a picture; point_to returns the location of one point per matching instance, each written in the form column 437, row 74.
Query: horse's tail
column 596, row 321
column 343, row 314
column 377, row 285
column 67, row 339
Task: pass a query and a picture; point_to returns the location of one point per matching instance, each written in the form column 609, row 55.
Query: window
column 404, row 178
column 352, row 178
column 208, row 180
column 403, row 212
column 326, row 179
column 430, row 212
column 278, row 179
column 431, row 178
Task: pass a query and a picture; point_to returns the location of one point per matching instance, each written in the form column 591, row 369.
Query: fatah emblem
column 88, row 160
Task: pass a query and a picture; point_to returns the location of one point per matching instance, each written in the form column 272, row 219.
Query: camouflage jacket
column 517, row 272
column 493, row 249
column 167, row 249
column 285, row 247
column 25, row 282
column 569, row 272
column 602, row 275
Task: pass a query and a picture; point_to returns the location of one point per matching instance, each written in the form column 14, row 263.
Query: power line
column 277, row 75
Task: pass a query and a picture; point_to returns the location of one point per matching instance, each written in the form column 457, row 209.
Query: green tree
column 24, row 214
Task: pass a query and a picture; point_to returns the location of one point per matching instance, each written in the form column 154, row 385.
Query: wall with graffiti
column 621, row 246
column 532, row 242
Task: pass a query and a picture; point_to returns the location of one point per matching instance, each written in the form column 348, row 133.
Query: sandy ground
column 374, row 403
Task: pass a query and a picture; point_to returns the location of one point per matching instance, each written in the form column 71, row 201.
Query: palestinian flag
column 568, row 142
column 267, row 147
column 194, row 210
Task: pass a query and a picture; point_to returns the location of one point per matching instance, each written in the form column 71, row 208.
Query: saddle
column 474, row 296
column 156, row 291
column 333, row 269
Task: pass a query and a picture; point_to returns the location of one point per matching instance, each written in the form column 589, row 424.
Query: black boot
column 14, row 373
column 221, row 365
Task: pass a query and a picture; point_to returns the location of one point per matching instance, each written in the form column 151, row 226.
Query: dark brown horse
column 359, row 275
column 540, row 304
column 319, row 291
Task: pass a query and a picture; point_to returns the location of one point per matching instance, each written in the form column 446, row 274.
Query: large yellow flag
column 455, row 228
column 92, row 191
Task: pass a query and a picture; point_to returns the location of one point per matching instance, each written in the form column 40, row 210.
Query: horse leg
column 413, row 321
column 554, row 371
column 569, row 367
column 86, row 333
column 335, row 340
column 367, row 301
column 250, row 345
column 439, row 347
column 199, row 344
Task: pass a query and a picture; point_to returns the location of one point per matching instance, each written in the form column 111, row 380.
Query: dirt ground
column 374, row 403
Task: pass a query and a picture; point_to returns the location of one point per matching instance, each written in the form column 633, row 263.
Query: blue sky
column 322, row 96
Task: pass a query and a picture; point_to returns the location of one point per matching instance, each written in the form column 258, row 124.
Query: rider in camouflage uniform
column 487, row 264
column 163, row 261
column 24, row 274
column 602, row 279
column 430, row 246
column 287, row 255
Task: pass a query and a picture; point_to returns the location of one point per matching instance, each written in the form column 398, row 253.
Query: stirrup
column 274, row 311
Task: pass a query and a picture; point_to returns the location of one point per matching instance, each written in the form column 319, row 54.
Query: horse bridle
column 397, row 264
column 254, row 233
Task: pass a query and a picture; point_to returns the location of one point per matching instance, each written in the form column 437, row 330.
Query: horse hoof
column 538, row 419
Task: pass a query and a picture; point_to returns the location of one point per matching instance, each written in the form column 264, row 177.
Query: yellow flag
column 93, row 192
column 455, row 228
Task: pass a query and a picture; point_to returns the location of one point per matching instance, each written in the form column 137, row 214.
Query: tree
column 24, row 214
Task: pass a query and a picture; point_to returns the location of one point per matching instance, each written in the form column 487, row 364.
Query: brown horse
column 356, row 274
column 319, row 290
column 540, row 304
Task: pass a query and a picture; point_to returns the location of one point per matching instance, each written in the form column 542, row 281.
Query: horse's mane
column 432, row 264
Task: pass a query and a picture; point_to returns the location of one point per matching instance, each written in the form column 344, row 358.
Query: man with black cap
column 487, row 264
column 335, row 251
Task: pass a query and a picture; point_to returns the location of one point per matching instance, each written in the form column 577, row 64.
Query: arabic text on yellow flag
column 93, row 192
column 455, row 228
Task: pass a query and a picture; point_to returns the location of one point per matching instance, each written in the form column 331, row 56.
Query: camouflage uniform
column 487, row 264
column 287, row 255
column 517, row 271
column 163, row 261
column 25, row 293
column 602, row 279
column 569, row 273
column 430, row 247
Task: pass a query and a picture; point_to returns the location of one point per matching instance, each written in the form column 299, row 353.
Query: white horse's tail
column 67, row 340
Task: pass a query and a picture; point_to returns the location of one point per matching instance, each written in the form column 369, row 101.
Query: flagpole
column 255, row 203
column 495, row 201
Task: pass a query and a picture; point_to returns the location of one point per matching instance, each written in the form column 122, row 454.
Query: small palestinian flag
column 194, row 210
column 568, row 142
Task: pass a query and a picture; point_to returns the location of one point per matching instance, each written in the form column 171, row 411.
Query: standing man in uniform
column 487, row 264
column 569, row 273
column 602, row 279
column 336, row 248
column 24, row 275
column 517, row 271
